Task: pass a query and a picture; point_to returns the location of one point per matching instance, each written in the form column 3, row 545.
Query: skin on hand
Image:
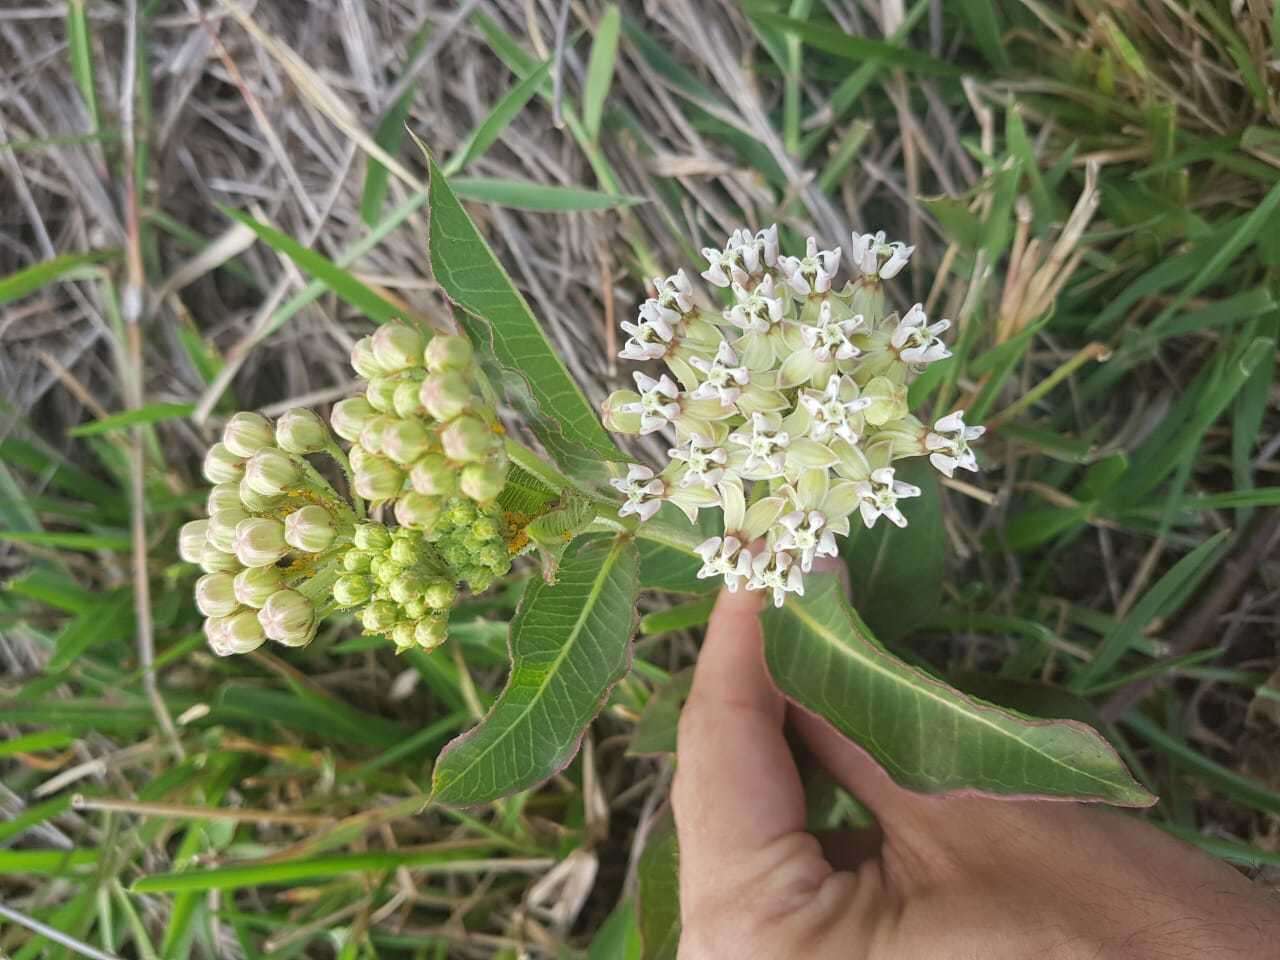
column 943, row 878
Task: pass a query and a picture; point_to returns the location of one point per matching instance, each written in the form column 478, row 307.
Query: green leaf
column 389, row 135
column 667, row 558
column 896, row 575
column 552, row 532
column 340, row 281
column 68, row 541
column 81, row 55
column 658, row 894
column 655, row 731
column 31, row 279
column 835, row 41
column 500, row 323
column 110, row 617
column 604, row 52
column 928, row 736
column 618, row 937
column 692, row 613
column 570, row 643
column 151, row 413
column 528, row 195
column 503, row 112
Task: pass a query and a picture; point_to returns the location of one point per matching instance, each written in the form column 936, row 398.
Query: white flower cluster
column 789, row 405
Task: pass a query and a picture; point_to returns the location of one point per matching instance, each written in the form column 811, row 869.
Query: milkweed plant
column 781, row 387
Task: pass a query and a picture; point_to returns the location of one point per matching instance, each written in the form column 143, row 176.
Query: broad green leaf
column 896, row 575
column 604, row 52
column 41, row 274
column 503, row 112
column 691, row 613
column 552, row 532
column 528, row 195
column 655, row 731
column 570, row 643
column 151, row 413
column 928, row 736
column 618, row 937
column 667, row 558
column 658, row 894
column 500, row 323
column 340, row 281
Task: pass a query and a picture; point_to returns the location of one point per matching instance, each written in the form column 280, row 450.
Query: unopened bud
column 223, row 496
column 378, row 479
column 404, row 441
column 309, row 529
column 247, row 433
column 363, row 361
column 255, row 502
column 407, row 586
column 351, row 590
column 406, row 400
column 455, row 555
column 221, row 465
column 238, row 633
column 222, row 527
column 448, row 352
column 350, row 416
column 192, row 539
column 433, row 475
column 888, row 401
column 381, row 394
column 356, row 456
column 213, row 560
column 414, row 609
column 371, row 536
column 440, row 594
column 486, row 528
column 259, row 541
column 301, row 431
column 446, row 394
column 371, row 436
column 430, row 633
column 478, row 578
column 271, row 472
column 406, row 547
column 288, row 617
column 467, row 439
column 379, row 616
column 417, row 511
column 383, row 569
column 397, row 346
column 357, row 561
column 254, row 585
column 460, row 512
column 495, row 557
column 611, row 412
column 402, row 635
column 482, row 482
column 215, row 595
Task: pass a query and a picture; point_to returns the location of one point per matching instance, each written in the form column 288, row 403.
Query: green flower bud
column 384, row 569
column 221, row 465
column 379, row 616
column 192, row 539
column 215, row 595
column 363, row 362
column 371, row 536
column 357, row 456
column 434, row 476
column 478, row 579
column 486, row 528
column 467, row 439
column 461, row 513
column 397, row 346
column 356, row 561
column 371, row 436
column 495, row 557
column 213, row 560
column 483, row 482
column 271, row 472
column 289, row 618
column 402, row 635
column 222, row 527
column 238, row 633
column 414, row 609
column 223, row 496
column 381, row 394
column 215, row 630
column 405, row 550
column 259, row 541
column 404, row 441
column 247, row 433
column 440, row 594
column 309, row 529
column 418, row 511
column 301, row 431
column 448, row 352
column 378, row 479
column 429, row 634
column 405, row 401
column 350, row 416
column 254, row 585
column 445, row 394
column 888, row 401
column 612, row 416
column 407, row 586
column 351, row 590
column 255, row 502
column 455, row 555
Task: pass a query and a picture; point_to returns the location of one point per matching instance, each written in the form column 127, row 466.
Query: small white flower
column 778, row 572
column 643, row 491
column 814, row 272
column 658, row 404
column 948, row 442
column 809, row 535
column 725, row 378
column 916, row 340
column 830, row 339
column 831, row 416
column 766, row 445
column 743, row 257
column 674, row 292
column 756, row 310
column 869, row 248
column 704, row 461
column 724, row 557
column 651, row 336
column 879, row 496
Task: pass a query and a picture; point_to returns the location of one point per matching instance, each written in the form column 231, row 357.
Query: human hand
column 942, row 878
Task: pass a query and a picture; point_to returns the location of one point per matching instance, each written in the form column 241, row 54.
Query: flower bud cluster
column 421, row 427
column 788, row 407
column 271, row 520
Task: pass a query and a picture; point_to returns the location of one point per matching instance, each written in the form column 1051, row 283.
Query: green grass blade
column 604, row 54
column 40, row 275
column 831, row 40
column 151, row 413
column 81, row 54
column 490, row 129
column 389, row 135
column 527, row 195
